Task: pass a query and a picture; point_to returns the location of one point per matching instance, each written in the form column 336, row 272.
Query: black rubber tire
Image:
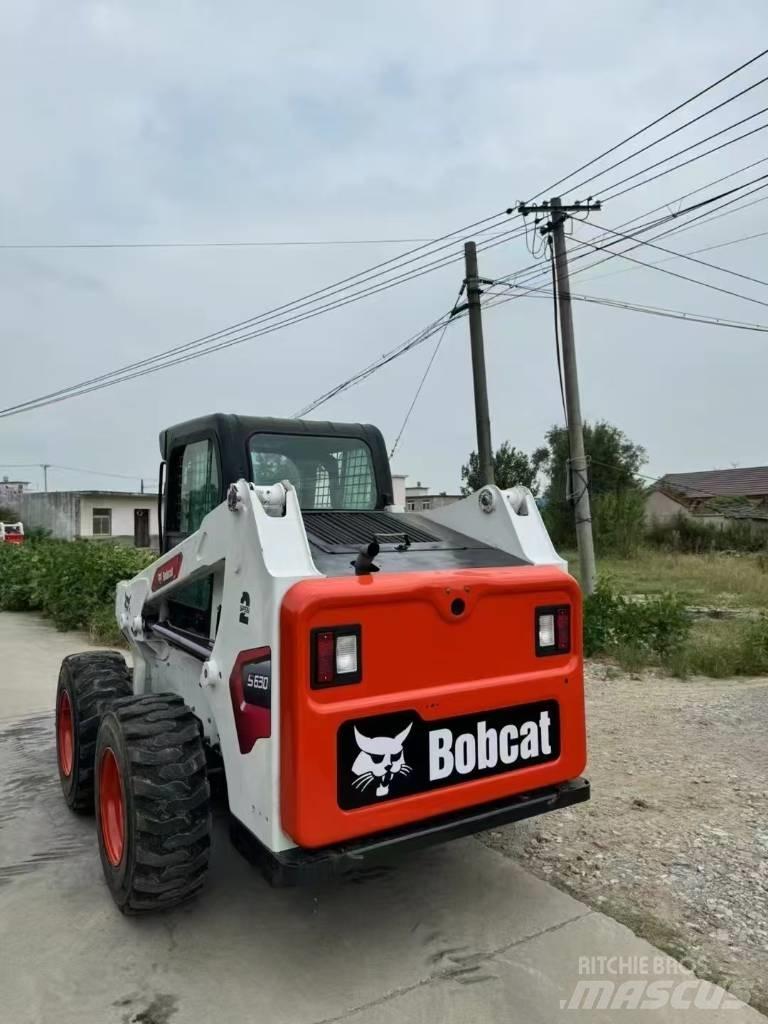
column 157, row 745
column 91, row 681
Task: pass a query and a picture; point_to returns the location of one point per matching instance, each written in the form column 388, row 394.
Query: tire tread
column 166, row 768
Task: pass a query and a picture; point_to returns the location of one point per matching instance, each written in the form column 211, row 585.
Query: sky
column 130, row 121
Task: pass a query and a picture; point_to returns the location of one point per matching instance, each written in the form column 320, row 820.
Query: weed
column 641, row 629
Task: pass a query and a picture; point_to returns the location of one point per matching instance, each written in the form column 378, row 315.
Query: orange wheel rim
column 65, row 734
column 111, row 807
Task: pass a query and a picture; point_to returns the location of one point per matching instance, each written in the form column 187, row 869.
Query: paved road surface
column 458, row 933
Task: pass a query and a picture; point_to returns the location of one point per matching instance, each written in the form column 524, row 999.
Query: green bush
column 690, row 537
column 618, row 520
column 652, row 626
column 73, row 583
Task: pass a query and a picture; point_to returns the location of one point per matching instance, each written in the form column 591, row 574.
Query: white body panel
column 509, row 520
column 247, row 550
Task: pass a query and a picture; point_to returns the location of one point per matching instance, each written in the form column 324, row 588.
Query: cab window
column 194, row 486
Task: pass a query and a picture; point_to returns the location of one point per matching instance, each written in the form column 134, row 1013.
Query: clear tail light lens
column 553, row 630
column 346, row 654
column 335, row 656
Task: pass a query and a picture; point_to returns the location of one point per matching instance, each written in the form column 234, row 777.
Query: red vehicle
column 11, row 533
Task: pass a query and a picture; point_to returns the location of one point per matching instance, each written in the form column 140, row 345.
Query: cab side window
column 194, row 486
column 193, row 490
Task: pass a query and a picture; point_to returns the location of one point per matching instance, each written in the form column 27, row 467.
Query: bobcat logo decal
column 381, row 758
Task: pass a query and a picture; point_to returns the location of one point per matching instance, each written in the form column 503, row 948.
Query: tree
column 614, row 461
column 510, row 468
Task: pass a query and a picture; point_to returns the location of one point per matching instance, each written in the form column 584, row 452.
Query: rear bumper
column 301, row 866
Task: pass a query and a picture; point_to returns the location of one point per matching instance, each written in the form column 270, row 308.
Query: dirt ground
column 674, row 842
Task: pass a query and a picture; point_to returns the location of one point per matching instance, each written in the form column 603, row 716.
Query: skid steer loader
column 368, row 679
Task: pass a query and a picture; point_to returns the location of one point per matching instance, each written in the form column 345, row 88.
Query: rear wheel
column 152, row 798
column 88, row 683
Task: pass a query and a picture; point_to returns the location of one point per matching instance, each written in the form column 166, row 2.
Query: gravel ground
column 674, row 842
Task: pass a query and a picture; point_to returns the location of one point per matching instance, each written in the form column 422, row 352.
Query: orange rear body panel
column 417, row 656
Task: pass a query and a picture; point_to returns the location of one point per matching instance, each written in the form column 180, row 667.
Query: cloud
column 187, row 121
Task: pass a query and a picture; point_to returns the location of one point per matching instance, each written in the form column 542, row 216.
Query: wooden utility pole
column 479, row 379
column 579, row 469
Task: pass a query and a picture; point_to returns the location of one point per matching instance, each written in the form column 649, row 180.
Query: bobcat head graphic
column 379, row 760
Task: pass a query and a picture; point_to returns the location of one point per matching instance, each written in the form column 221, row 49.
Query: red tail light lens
column 553, row 630
column 325, row 667
column 336, row 656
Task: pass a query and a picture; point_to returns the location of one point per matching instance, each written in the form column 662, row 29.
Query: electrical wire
column 673, row 273
column 144, row 367
column 76, row 469
column 500, row 239
column 651, row 124
column 691, row 252
column 663, row 138
column 429, row 365
column 210, row 245
column 684, row 163
column 164, row 359
column 533, row 272
column 412, row 342
column 676, row 485
column 662, row 311
column 681, row 255
column 284, row 309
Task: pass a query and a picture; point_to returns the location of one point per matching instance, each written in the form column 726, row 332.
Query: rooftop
column 711, row 483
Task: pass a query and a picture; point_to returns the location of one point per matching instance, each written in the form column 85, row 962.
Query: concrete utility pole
column 479, row 380
column 44, row 467
column 579, row 469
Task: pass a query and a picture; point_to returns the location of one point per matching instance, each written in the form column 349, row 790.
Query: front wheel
column 152, row 801
column 88, row 684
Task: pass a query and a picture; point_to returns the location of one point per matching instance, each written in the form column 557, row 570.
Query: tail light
column 335, row 656
column 553, row 630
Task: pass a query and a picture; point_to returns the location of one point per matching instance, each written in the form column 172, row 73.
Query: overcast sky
column 188, row 121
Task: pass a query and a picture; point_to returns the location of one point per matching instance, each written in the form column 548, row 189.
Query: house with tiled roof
column 715, row 495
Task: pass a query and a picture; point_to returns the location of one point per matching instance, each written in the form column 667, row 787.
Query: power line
column 77, row 469
column 673, row 273
column 669, row 134
column 676, row 485
column 167, row 358
column 80, row 390
column 419, row 388
column 691, row 252
column 126, row 372
column 682, row 255
column 684, row 163
column 417, row 339
column 426, row 373
column 211, row 245
column 695, row 191
column 533, row 272
column 652, row 124
column 662, row 311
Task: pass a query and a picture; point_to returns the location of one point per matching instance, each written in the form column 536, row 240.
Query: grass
column 719, row 648
column 713, row 581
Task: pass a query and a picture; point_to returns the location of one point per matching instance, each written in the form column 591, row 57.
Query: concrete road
column 458, row 933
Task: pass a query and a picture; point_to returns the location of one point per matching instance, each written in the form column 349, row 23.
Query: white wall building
column 120, row 516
